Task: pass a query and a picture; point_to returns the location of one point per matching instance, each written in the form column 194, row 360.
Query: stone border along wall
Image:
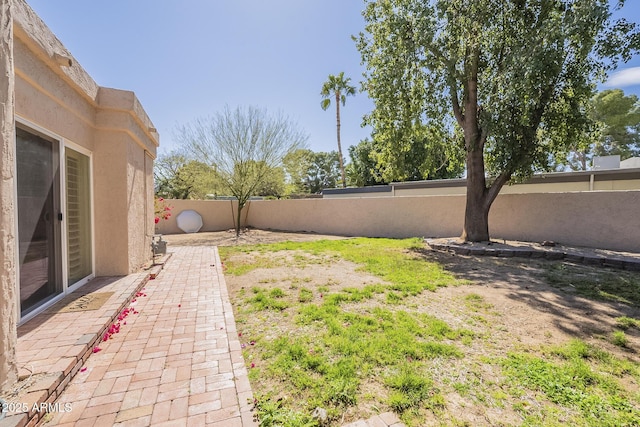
column 597, row 219
column 625, row 263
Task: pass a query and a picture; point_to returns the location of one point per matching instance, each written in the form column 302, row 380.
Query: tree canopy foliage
column 273, row 184
column 178, row 177
column 615, row 130
column 433, row 157
column 243, row 146
column 512, row 76
column 364, row 170
column 619, row 116
column 311, row 172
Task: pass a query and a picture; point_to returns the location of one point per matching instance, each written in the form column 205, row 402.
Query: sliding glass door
column 39, row 219
column 54, row 218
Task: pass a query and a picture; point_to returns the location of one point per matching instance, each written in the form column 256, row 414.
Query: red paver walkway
column 177, row 362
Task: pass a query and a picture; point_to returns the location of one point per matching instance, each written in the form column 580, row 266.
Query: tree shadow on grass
column 582, row 300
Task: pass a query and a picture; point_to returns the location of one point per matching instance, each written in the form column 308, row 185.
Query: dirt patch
column 532, row 310
column 528, row 308
column 248, row 236
column 320, row 272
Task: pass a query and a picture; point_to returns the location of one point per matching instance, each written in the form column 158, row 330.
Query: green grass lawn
column 365, row 348
column 605, row 285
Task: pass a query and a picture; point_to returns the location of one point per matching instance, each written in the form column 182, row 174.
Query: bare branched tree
column 242, row 145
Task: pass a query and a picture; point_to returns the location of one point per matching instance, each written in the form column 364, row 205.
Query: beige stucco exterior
column 111, row 123
column 45, row 90
column 8, row 297
column 599, row 219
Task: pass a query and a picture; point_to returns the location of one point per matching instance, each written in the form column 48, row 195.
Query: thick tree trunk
column 8, row 297
column 476, row 215
column 344, row 180
column 479, row 198
column 476, row 223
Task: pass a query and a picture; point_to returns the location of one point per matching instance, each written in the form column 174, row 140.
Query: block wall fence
column 597, row 219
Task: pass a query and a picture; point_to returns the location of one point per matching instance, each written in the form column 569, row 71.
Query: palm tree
column 340, row 88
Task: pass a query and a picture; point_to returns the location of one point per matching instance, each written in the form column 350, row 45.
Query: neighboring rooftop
column 623, row 178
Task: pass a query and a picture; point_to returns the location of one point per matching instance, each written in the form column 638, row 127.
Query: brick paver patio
column 177, row 361
column 174, row 360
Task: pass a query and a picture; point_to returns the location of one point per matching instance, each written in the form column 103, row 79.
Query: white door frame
column 62, row 145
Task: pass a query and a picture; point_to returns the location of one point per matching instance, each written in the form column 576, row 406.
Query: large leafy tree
column 310, row 172
column 614, row 130
column 619, row 116
column 273, row 185
column 178, row 177
column 339, row 88
column 243, row 146
column 165, row 169
column 504, row 72
column 296, row 165
column 323, row 172
column 363, row 169
column 425, row 156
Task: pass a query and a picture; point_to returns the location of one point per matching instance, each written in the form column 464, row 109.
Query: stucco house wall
column 111, row 123
column 44, row 90
column 110, row 211
column 8, row 297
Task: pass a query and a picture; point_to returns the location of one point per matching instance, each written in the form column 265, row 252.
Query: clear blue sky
column 190, row 58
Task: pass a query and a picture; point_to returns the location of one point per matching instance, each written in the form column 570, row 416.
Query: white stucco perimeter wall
column 600, row 219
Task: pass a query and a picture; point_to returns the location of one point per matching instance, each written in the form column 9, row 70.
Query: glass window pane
column 78, row 216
